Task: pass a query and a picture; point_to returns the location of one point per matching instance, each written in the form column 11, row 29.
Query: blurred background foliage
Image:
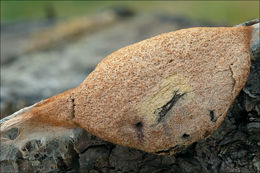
column 228, row 12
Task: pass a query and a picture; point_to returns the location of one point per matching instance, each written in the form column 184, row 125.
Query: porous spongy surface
column 166, row 92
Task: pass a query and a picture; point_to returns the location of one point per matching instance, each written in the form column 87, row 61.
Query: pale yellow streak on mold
column 162, row 95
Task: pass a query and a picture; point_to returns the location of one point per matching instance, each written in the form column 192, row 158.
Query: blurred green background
column 229, row 12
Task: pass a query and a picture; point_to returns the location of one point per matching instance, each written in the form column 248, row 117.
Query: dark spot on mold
column 161, row 112
column 212, row 116
column 170, row 61
column 139, row 125
column 185, row 136
column 73, row 107
column 139, row 128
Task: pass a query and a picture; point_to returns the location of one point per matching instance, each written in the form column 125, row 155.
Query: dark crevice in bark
column 185, row 136
column 175, row 148
column 93, row 146
column 212, row 116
